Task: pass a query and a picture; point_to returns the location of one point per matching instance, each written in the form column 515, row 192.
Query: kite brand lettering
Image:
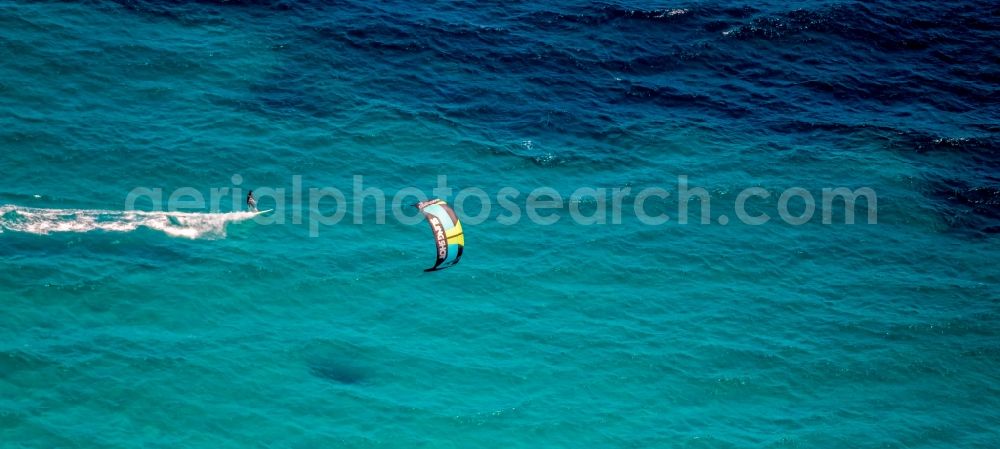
column 442, row 244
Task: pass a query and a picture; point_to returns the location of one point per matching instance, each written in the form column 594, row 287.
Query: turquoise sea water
column 247, row 334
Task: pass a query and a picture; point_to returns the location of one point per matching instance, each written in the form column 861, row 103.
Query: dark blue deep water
column 124, row 329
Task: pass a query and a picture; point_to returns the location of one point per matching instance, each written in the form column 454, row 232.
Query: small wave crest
column 189, row 225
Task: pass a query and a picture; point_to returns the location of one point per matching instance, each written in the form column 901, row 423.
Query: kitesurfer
column 251, row 202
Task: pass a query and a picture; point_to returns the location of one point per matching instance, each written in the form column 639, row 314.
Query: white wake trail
column 175, row 224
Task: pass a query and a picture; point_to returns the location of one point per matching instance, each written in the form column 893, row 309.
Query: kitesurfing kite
column 447, row 232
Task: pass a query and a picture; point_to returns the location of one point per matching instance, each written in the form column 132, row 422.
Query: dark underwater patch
column 337, row 371
column 799, row 126
column 980, row 155
column 669, row 97
column 196, row 12
column 974, row 209
column 967, row 197
column 604, row 14
column 982, row 149
column 970, row 203
column 880, row 25
column 983, row 200
column 170, row 7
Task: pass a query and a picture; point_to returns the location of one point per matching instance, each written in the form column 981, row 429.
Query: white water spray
column 175, row 224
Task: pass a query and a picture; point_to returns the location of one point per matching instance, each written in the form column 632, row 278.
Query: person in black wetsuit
column 251, row 202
